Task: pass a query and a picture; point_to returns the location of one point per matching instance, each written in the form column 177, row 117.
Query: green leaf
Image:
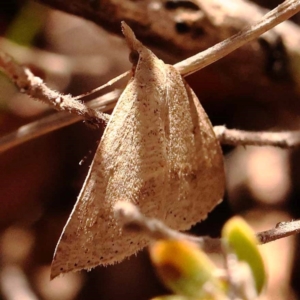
column 242, row 240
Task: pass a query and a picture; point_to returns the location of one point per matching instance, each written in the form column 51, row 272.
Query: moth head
column 134, row 57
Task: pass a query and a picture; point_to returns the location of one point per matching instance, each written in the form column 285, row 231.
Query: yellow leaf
column 185, row 269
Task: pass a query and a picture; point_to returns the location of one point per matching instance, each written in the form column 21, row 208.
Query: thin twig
column 282, row 230
column 130, row 218
column 284, row 139
column 205, row 58
column 34, row 87
column 274, row 17
column 109, row 83
column 53, row 122
column 234, row 137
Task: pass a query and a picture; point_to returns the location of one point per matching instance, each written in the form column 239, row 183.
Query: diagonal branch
column 34, row 87
column 274, row 17
column 182, row 28
column 54, row 122
column 131, row 219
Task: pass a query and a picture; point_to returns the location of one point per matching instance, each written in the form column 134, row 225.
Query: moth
column 159, row 152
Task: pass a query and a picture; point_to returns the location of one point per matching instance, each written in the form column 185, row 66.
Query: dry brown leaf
column 159, row 152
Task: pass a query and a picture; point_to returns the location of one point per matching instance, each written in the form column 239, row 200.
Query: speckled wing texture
column 158, row 152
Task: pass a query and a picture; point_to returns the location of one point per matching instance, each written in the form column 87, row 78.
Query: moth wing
column 159, row 152
column 129, row 165
column 196, row 171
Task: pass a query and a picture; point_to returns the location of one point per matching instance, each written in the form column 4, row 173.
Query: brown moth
column 159, row 152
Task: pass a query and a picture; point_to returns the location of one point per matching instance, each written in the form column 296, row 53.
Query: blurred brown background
column 40, row 180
